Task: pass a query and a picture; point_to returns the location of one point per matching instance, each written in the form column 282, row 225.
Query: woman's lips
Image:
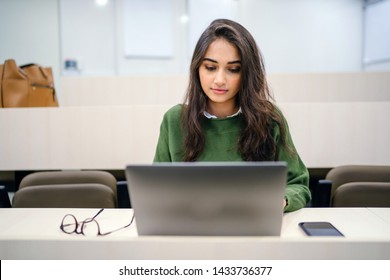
column 219, row 90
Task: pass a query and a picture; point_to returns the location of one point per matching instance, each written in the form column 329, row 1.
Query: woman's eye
column 235, row 70
column 210, row 68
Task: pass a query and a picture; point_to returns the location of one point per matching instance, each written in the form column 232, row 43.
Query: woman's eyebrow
column 234, row 62
column 214, row 61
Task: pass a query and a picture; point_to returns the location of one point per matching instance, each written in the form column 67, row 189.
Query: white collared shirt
column 210, row 116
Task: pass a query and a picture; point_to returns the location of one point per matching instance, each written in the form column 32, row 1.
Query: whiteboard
column 377, row 32
column 87, row 36
column 148, row 28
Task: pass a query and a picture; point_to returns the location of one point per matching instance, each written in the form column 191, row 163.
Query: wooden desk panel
column 325, row 134
column 170, row 89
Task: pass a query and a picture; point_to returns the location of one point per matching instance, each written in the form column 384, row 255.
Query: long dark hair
column 259, row 115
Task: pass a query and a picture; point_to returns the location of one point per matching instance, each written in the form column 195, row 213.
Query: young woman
column 227, row 114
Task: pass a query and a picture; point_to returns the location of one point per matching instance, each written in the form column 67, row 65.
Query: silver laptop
column 224, row 198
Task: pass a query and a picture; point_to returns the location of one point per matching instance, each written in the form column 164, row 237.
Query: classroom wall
column 305, row 35
column 382, row 66
column 376, row 31
column 294, row 36
column 29, row 32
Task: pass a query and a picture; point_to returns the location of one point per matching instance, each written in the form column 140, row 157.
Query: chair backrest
column 358, row 173
column 367, row 174
column 362, row 194
column 67, row 189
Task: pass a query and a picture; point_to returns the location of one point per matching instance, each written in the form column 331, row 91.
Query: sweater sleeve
column 297, row 189
column 162, row 149
column 170, row 142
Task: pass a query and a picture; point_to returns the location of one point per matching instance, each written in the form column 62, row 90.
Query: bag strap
column 41, row 69
column 27, row 65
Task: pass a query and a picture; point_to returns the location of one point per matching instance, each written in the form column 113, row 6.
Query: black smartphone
column 320, row 229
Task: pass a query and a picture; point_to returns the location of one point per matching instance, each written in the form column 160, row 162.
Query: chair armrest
column 321, row 194
column 4, row 198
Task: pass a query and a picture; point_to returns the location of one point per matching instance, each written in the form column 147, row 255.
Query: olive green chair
column 67, row 189
column 359, row 186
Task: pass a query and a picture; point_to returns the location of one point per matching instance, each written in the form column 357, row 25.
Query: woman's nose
column 220, row 78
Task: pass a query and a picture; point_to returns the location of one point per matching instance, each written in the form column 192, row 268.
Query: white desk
column 35, row 234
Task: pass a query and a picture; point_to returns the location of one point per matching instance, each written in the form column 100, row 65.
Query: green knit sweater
column 221, row 137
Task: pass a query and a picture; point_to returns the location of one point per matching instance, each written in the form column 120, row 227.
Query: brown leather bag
column 30, row 85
